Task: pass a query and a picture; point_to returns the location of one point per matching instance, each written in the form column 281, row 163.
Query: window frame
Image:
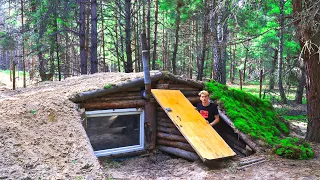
column 120, row 112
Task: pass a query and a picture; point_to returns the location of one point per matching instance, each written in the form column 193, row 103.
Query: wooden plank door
column 201, row 136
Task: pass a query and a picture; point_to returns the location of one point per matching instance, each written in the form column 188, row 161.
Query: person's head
column 204, row 96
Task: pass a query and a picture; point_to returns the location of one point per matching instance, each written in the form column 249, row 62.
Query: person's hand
column 208, row 122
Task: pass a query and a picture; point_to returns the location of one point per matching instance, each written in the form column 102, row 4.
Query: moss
column 293, row 148
column 259, row 119
column 108, row 86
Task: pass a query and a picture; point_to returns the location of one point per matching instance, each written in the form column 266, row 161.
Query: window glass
column 107, row 132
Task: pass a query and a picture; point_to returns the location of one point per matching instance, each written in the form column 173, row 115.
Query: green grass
column 7, row 72
column 273, row 96
column 257, row 118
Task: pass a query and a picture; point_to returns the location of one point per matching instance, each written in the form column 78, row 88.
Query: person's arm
column 216, row 120
column 216, row 115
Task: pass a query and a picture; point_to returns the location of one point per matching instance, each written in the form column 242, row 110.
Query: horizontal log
column 243, row 163
column 80, row 97
column 168, row 130
column 166, row 124
column 162, row 86
column 161, row 114
column 165, row 120
column 258, row 162
column 113, row 105
column 124, row 94
column 111, row 98
column 176, row 144
column 191, row 156
column 190, row 93
column 172, row 137
column 183, row 87
column 189, row 82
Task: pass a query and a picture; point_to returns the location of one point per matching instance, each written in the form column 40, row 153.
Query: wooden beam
column 172, row 137
column 169, row 130
column 120, row 87
column 176, row 144
column 113, row 105
column 150, row 125
column 191, row 156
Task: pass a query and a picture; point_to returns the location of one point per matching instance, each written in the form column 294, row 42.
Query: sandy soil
column 41, row 135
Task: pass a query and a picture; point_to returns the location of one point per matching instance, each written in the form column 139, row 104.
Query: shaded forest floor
column 162, row 166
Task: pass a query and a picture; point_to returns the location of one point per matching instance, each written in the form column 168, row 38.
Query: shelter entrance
column 206, row 142
column 115, row 131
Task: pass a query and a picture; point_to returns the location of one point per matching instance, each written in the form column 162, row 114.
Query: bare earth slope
column 41, row 135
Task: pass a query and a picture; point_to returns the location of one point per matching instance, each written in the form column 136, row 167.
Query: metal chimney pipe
column 146, row 66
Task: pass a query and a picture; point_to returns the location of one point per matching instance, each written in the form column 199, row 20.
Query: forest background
column 226, row 40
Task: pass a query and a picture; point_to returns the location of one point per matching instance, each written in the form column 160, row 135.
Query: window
column 115, row 131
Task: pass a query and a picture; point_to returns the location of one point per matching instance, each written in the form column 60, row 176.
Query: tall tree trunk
column 175, row 48
column 280, row 54
column 23, row 50
column 67, row 67
column 87, row 34
column 105, row 69
column 215, row 43
column 128, row 65
column 204, row 41
column 309, row 36
column 154, row 55
column 148, row 29
column 94, row 38
column 273, row 69
column 301, row 86
column 245, row 62
column 116, row 44
column 223, row 42
column 83, row 58
column 56, row 41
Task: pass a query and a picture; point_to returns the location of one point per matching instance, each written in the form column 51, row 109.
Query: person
column 208, row 109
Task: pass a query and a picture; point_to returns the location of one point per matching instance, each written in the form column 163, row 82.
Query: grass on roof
column 258, row 119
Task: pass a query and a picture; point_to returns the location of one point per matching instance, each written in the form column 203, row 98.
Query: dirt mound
column 41, row 135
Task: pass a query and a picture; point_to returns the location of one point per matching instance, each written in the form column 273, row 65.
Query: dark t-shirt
column 209, row 111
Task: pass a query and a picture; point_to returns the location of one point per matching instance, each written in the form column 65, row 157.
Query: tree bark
column 83, row 58
column 171, row 137
column 280, row 54
column 175, row 48
column 105, row 69
column 23, row 49
column 301, row 86
column 128, row 65
column 204, row 41
column 94, row 38
column 154, row 55
column 273, row 69
column 309, row 38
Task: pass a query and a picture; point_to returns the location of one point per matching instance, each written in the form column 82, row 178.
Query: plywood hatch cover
column 207, row 143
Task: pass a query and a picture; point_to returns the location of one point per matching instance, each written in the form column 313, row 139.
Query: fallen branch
column 242, row 167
